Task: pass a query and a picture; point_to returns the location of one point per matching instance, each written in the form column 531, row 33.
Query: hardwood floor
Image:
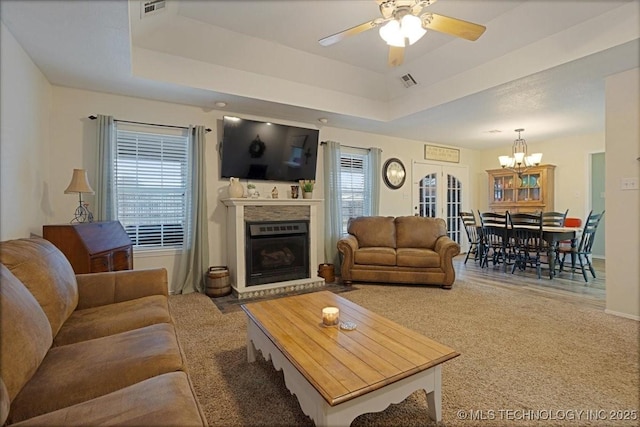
column 568, row 286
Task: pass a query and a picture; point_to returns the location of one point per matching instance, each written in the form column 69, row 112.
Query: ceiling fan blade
column 335, row 38
column 396, row 56
column 452, row 26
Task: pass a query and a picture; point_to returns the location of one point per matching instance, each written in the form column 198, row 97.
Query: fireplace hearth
column 276, row 251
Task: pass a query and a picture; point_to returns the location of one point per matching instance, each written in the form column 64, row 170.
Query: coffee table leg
column 434, row 398
column 251, row 348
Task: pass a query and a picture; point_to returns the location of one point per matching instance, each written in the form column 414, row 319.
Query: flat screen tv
column 268, row 151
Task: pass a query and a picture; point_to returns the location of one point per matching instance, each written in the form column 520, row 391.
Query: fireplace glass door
column 277, row 251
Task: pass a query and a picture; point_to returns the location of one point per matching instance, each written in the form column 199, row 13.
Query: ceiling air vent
column 148, row 8
column 408, row 80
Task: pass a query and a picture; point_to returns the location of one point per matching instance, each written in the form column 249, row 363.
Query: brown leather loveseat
column 407, row 249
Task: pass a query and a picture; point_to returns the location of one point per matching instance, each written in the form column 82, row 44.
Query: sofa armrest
column 447, row 249
column 347, row 247
column 96, row 289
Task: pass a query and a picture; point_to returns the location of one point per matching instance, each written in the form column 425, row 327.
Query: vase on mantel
column 307, row 194
column 235, row 188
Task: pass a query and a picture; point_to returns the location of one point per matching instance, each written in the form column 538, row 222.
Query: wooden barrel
column 326, row 272
column 218, row 282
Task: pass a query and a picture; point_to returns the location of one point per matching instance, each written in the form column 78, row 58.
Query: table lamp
column 80, row 184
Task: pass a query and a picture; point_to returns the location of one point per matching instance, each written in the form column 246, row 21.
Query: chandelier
column 520, row 162
column 404, row 27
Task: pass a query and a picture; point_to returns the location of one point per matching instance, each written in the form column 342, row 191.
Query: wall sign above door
column 443, row 154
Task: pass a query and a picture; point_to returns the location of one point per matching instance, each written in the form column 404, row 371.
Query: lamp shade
column 536, row 158
column 411, row 28
column 79, row 183
column 505, row 161
column 390, row 33
column 399, row 32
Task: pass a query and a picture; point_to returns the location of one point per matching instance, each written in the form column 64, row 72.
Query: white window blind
column 151, row 187
column 356, row 197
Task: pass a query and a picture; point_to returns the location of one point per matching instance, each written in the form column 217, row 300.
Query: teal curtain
column 189, row 276
column 332, row 206
column 374, row 172
column 105, row 195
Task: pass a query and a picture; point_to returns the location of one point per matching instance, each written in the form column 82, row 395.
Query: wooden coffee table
column 337, row 374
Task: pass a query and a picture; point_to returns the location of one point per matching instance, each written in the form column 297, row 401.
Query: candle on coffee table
column 330, row 316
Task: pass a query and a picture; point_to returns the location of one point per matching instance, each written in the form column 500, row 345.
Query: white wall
column 622, row 206
column 24, row 142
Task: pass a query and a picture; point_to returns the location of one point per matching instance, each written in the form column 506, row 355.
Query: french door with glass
column 441, row 192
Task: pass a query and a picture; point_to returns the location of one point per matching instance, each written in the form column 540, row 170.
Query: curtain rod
column 348, row 146
column 148, row 124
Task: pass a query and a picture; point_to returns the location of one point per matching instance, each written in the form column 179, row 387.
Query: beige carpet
column 522, row 357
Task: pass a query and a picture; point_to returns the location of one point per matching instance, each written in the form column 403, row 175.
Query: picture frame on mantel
column 442, row 154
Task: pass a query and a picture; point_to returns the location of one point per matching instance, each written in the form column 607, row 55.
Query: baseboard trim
column 620, row 314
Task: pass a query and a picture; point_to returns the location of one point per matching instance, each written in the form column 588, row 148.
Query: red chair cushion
column 572, row 222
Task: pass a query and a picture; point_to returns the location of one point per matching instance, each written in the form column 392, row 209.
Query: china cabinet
column 530, row 192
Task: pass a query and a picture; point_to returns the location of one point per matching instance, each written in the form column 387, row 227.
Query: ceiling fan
column 401, row 25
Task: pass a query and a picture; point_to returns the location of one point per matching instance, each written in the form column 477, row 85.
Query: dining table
column 553, row 235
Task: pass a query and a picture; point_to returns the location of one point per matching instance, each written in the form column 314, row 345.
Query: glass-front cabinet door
column 503, row 188
column 529, row 187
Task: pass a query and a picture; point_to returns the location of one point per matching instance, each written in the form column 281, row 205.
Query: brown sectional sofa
column 91, row 349
column 408, row 249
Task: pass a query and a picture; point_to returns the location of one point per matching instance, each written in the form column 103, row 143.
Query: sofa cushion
column 419, row 232
column 75, row 373
column 25, row 334
column 114, row 318
column 375, row 256
column 96, row 289
column 165, row 400
column 5, row 403
column 373, row 231
column 46, row 272
column 416, row 257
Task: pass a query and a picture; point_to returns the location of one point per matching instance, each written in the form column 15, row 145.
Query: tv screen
column 268, row 151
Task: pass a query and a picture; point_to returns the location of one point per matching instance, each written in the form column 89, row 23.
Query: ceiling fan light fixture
column 399, row 32
column 411, row 28
column 391, row 33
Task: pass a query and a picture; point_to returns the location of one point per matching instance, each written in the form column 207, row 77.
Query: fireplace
column 276, row 251
column 263, row 212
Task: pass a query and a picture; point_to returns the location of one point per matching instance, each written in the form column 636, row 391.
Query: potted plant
column 307, row 188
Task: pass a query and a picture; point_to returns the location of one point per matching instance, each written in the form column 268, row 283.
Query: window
column 355, row 188
column 151, row 187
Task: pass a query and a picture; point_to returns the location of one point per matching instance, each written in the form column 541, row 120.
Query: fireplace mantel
column 239, row 210
column 247, row 201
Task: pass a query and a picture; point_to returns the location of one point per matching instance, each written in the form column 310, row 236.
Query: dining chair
column 569, row 222
column 554, row 219
column 494, row 239
column 473, row 234
column 583, row 250
column 526, row 235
